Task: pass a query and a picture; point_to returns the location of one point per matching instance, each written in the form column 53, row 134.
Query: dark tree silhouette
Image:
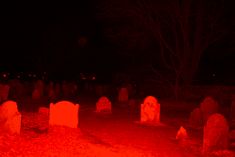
column 180, row 31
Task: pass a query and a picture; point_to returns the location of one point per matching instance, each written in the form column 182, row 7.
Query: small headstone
column 4, row 92
column 43, row 110
column 182, row 136
column 216, row 133
column 38, row 90
column 64, row 113
column 57, row 90
column 36, row 95
column 150, row 110
column 43, row 118
column 103, row 105
column 208, row 107
column 132, row 103
column 10, row 118
column 196, row 118
column 123, row 95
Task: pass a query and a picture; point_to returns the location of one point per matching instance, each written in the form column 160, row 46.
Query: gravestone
column 57, row 90
column 182, row 136
column 51, row 91
column 36, row 95
column 103, row 105
column 43, row 117
column 10, row 118
column 123, row 95
column 150, row 110
column 4, row 92
column 196, row 118
column 208, row 107
column 216, row 132
column 64, row 113
column 233, row 111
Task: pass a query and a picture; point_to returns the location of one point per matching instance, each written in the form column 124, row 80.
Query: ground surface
column 118, row 134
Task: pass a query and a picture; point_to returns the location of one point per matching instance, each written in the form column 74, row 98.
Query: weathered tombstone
column 4, row 91
column 43, row 110
column 43, row 117
column 65, row 89
column 57, row 90
column 150, row 110
column 64, row 113
column 132, row 103
column 36, row 95
column 216, row 132
column 196, row 118
column 103, row 105
column 208, row 107
column 99, row 90
column 10, row 118
column 123, row 95
column 51, row 92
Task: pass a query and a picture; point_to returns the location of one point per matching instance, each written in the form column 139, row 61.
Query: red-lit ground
column 105, row 135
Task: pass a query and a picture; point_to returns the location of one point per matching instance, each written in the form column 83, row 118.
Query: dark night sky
column 47, row 39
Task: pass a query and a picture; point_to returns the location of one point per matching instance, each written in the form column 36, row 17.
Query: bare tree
column 181, row 30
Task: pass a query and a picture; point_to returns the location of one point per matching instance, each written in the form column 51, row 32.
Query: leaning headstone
column 216, row 132
column 103, row 105
column 196, row 118
column 208, row 107
column 123, row 95
column 10, row 118
column 150, row 110
column 64, row 113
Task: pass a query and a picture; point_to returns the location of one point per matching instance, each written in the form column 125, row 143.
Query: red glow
column 64, row 113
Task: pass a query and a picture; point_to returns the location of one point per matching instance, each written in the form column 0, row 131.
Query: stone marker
column 10, row 118
column 150, row 110
column 104, row 105
column 216, row 132
column 64, row 113
column 208, row 107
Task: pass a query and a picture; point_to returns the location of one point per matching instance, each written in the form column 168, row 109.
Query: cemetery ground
column 116, row 134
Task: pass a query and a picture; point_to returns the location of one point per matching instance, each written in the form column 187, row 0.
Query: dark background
column 65, row 41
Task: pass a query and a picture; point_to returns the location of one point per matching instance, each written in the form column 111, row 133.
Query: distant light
column 34, row 75
column 83, row 78
column 213, row 74
column 18, row 76
column 4, row 75
column 93, row 78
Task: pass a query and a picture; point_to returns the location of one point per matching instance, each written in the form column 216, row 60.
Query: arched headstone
column 123, row 95
column 196, row 118
column 216, row 133
column 104, row 105
column 64, row 113
column 150, row 110
column 10, row 118
column 208, row 107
